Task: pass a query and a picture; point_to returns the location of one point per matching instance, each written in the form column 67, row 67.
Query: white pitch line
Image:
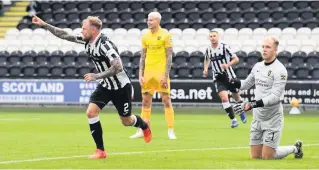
column 131, row 153
column 18, row 119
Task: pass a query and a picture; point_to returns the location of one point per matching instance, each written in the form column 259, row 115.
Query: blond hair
column 155, row 15
column 275, row 39
column 94, row 21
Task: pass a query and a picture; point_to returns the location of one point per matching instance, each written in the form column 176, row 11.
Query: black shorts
column 121, row 98
column 224, row 87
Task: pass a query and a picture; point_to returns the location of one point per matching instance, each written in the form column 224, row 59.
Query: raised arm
column 58, row 32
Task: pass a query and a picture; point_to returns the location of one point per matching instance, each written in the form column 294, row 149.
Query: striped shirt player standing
column 114, row 85
column 221, row 57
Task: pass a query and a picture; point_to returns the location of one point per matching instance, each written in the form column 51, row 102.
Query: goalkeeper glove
column 246, row 106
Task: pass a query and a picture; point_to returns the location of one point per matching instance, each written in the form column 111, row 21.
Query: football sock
column 96, row 132
column 169, row 117
column 139, row 123
column 229, row 110
column 146, row 113
column 284, row 151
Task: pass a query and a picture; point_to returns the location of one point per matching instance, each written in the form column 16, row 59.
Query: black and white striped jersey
column 222, row 54
column 101, row 52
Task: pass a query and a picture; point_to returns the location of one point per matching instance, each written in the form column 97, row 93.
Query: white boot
column 138, row 134
column 171, row 134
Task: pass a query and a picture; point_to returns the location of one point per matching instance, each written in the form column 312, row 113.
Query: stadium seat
column 188, row 34
column 303, row 33
column 26, row 45
column 241, row 54
column 15, row 71
column 244, row 34
column 4, row 56
column 242, row 71
column 56, row 71
column 70, row 71
column 25, row 34
column 288, row 33
column 28, row 57
column 298, row 58
column 136, row 59
column 315, row 73
column 315, row 33
column 230, row 34
column 29, row 71
column 82, row 59
column 126, row 56
column 15, row 57
column 253, row 57
column 274, row 32
column 312, row 58
column 248, row 46
column 293, row 46
column 284, row 57
column 12, row 34
column 235, row 45
column 202, row 34
column 4, row 70
column 259, row 33
column 180, row 58
column 302, row 73
column 308, row 45
column 197, row 72
column 196, row 57
column 83, row 70
column 56, row 58
column 108, row 32
column 290, row 71
column 183, row 71
column 3, row 45
column 13, row 45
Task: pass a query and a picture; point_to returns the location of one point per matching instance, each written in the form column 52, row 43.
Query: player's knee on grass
column 166, row 100
column 256, row 151
column 127, row 121
column 268, row 153
column 267, row 157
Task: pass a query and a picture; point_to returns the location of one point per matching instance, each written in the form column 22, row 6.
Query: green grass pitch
column 60, row 138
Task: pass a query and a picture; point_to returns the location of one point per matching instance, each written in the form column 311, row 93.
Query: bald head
column 153, row 20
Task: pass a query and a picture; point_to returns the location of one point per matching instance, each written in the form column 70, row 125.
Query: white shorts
column 266, row 132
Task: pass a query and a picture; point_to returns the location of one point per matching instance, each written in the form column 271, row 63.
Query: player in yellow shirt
column 155, row 65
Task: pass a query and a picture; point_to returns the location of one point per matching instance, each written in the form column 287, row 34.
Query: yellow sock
column 169, row 117
column 146, row 113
